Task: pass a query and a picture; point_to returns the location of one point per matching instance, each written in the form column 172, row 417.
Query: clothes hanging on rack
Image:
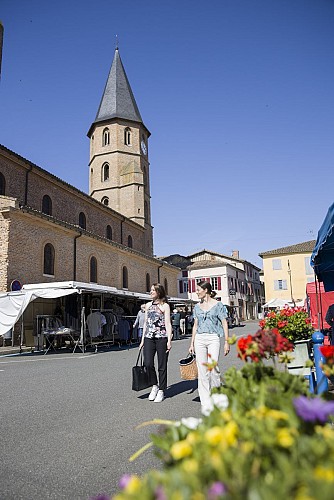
column 109, row 329
column 123, row 327
column 95, row 321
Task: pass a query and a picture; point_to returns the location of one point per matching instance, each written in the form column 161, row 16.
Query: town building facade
column 236, row 281
column 287, row 270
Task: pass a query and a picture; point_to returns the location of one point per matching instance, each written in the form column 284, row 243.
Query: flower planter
column 301, row 354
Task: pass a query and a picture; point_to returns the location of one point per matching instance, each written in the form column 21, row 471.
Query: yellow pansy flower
column 214, row 435
column 180, row 450
column 190, row 466
column 326, row 431
column 302, row 494
column 133, row 485
column 230, row 432
column 192, row 438
column 277, row 414
column 176, row 495
column 216, row 460
column 284, row 438
column 264, row 412
column 324, row 474
column 226, row 415
column 247, row 447
column 198, row 496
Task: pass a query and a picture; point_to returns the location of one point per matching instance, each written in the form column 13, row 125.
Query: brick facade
column 25, row 231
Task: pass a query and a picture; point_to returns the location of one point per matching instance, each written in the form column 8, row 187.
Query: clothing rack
column 103, row 342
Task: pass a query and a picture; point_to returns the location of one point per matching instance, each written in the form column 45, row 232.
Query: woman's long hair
column 205, row 285
column 160, row 291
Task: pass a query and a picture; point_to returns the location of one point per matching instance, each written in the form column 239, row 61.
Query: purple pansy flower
column 216, row 490
column 313, row 410
column 160, row 494
column 123, row 482
column 101, row 496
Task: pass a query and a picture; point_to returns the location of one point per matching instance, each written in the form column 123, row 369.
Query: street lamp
column 289, row 273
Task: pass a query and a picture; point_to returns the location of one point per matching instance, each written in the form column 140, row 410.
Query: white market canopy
column 280, row 303
column 13, row 304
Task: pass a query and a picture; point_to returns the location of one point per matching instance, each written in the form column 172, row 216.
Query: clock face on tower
column 143, row 147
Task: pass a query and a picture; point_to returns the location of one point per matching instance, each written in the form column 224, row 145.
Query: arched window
column 125, row 280
column 49, row 260
column 109, row 232
column 105, row 201
column 166, row 285
column 106, row 137
column 2, row 185
column 105, row 172
column 146, row 211
column 47, row 205
column 148, row 282
column 82, row 220
column 130, row 242
column 93, row 270
column 127, row 136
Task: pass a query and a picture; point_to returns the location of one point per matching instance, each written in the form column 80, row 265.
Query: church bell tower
column 119, row 165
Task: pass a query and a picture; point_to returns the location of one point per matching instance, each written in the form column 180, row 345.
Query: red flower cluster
column 328, row 352
column 263, row 345
column 328, row 366
column 292, row 322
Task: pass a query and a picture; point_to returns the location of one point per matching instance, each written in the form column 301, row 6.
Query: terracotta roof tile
column 306, row 246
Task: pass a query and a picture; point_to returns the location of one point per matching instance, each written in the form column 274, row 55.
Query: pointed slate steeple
column 118, row 100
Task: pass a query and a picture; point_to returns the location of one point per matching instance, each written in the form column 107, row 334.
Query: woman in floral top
column 209, row 325
column 157, row 338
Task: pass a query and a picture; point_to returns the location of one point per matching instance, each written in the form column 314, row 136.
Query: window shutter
column 193, row 285
column 219, row 283
column 284, row 285
column 207, row 279
column 189, row 286
column 276, row 287
column 180, row 286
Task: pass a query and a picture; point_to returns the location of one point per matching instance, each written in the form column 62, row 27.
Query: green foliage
column 256, row 449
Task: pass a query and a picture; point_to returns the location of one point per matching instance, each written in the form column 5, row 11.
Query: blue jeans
column 176, row 332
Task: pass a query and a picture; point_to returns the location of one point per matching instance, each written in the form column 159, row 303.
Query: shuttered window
column 280, row 285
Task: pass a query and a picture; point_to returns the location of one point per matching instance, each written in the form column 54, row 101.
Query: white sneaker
column 153, row 393
column 159, row 397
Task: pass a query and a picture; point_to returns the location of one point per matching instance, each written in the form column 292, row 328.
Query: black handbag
column 140, row 376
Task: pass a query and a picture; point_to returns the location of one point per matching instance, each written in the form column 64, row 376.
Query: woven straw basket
column 188, row 368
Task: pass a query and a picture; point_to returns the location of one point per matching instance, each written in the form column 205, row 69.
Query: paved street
column 68, row 421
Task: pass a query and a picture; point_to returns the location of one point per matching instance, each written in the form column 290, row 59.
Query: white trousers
column 205, row 344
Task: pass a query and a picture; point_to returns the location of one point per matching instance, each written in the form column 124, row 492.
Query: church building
column 50, row 231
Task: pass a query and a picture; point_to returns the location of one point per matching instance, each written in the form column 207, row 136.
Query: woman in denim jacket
column 209, row 325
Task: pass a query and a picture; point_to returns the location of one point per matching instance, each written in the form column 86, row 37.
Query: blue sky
column 238, row 96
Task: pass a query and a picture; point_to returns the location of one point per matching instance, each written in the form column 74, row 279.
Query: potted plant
column 295, row 325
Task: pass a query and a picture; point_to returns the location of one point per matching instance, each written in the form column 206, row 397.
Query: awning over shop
column 322, row 258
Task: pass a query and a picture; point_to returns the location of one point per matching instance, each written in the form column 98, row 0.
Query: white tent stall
column 13, row 304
